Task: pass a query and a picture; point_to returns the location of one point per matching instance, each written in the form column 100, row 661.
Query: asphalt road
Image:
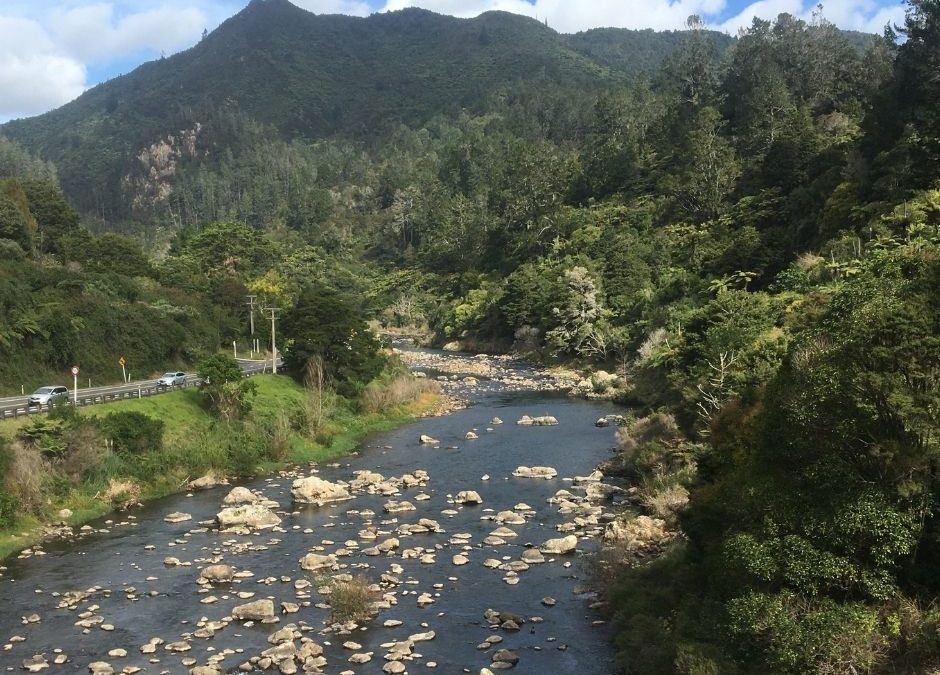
column 14, row 406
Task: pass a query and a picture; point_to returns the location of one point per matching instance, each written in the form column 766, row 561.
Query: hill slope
column 318, row 76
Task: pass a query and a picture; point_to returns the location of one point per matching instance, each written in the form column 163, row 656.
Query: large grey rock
column 561, row 545
column 259, row 610
column 218, row 573
column 314, row 561
column 240, row 495
column 204, row 482
column 254, row 516
column 543, row 421
column 315, row 490
column 545, row 472
column 468, row 497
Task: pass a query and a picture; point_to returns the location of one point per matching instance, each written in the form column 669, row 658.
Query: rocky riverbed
column 458, row 371
column 468, row 538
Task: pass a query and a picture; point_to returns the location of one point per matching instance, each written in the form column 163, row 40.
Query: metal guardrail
column 16, row 406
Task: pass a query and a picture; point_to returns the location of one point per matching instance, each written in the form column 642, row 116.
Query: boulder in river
column 545, row 472
column 240, row 495
column 505, row 656
column 561, row 545
column 427, row 440
column 468, row 497
column 543, row 421
column 251, row 515
column 314, row 490
column 205, row 670
column 218, row 573
column 35, row 663
column 204, row 482
column 393, row 506
column 259, row 610
column 314, row 561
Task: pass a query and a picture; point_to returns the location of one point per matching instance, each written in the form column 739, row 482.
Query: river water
column 141, row 598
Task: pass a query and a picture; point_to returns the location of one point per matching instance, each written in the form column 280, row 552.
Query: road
column 15, row 406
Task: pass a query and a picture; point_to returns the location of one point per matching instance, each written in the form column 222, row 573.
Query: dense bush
column 226, row 391
column 132, row 431
column 326, row 324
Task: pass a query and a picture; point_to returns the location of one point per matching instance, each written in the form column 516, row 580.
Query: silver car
column 47, row 395
column 172, row 379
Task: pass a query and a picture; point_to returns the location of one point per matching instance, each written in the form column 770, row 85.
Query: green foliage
column 747, row 234
column 7, row 509
column 55, row 217
column 133, row 432
column 13, row 223
column 7, row 501
column 327, row 324
column 224, row 387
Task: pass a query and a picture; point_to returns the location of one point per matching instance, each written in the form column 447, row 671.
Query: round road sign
column 74, row 370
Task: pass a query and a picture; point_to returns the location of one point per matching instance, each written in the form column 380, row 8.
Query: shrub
column 43, row 434
column 7, row 501
column 26, row 478
column 656, row 426
column 244, row 451
column 227, row 392
column 320, row 399
column 85, row 450
column 121, row 492
column 665, row 502
column 279, row 448
column 133, row 432
column 7, row 509
column 400, row 390
column 350, row 599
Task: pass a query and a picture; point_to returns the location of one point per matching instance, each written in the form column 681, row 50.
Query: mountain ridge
column 313, row 76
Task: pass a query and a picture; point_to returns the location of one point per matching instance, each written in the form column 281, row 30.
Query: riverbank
column 194, row 445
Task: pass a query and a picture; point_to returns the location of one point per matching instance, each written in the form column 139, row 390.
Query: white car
column 172, row 379
column 47, row 395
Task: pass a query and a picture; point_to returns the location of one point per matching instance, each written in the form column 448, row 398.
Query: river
column 139, row 598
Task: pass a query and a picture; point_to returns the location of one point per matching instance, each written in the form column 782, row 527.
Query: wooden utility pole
column 251, row 315
column 251, row 318
column 274, row 311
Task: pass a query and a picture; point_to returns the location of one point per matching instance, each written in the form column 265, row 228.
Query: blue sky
column 52, row 50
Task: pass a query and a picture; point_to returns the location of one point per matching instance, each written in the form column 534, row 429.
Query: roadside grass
column 195, row 443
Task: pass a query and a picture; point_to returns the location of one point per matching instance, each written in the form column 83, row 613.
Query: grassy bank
column 93, row 475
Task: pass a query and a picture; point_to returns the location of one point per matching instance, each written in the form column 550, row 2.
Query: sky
column 53, row 50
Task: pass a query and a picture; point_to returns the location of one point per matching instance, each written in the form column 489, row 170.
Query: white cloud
column 570, row 17
column 351, row 7
column 46, row 46
column 862, row 15
column 34, row 75
column 94, row 33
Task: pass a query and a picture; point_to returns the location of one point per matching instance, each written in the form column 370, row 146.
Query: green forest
column 745, row 230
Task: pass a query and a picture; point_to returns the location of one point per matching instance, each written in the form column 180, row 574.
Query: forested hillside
column 311, row 77
column 746, row 235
